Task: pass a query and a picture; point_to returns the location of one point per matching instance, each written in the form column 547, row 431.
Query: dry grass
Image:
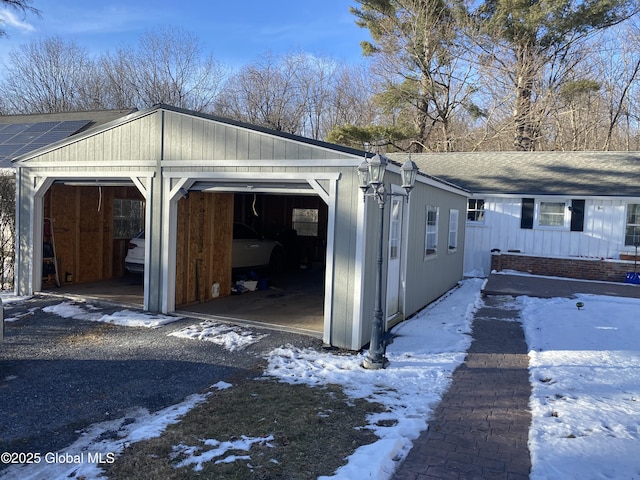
column 96, row 334
column 314, row 430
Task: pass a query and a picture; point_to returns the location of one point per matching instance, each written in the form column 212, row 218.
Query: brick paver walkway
column 480, row 428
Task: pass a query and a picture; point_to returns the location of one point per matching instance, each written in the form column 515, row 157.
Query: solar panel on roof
column 41, row 127
column 19, row 138
column 15, row 127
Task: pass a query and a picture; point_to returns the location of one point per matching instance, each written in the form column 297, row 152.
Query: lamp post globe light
column 371, row 182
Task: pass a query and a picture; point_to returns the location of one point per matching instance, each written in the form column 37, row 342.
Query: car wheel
column 276, row 262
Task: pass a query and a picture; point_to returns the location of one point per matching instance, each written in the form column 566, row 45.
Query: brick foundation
column 582, row 268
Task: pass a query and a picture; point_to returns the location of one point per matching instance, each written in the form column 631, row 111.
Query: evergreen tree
column 525, row 36
column 417, row 48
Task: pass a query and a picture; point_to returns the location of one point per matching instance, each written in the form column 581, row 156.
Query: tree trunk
column 525, row 131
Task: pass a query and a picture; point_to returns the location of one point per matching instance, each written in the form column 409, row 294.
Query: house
column 193, row 175
column 573, row 214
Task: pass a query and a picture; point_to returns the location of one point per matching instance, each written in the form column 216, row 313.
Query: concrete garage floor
column 293, row 302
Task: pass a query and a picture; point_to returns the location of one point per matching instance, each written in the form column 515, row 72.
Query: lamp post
column 370, row 179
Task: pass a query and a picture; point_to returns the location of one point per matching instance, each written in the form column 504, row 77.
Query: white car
column 249, row 250
column 134, row 261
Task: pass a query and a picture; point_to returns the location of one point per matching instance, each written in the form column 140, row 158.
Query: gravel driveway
column 59, row 375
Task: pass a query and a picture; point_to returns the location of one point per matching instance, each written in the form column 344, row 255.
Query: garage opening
column 86, row 236
column 252, row 256
column 92, row 225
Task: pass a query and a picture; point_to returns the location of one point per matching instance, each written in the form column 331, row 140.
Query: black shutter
column 577, row 215
column 526, row 217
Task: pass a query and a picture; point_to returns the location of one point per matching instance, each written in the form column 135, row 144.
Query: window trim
column 477, row 210
column 433, row 232
column 627, row 224
column 395, row 234
column 453, row 229
column 566, row 214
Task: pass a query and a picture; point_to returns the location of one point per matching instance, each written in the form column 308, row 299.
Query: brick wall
column 583, row 268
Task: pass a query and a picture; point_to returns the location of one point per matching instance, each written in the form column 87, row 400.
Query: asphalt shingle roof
column 535, row 173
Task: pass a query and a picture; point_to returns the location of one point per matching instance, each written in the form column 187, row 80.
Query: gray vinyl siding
column 344, row 258
column 188, row 138
column 430, row 277
column 425, row 279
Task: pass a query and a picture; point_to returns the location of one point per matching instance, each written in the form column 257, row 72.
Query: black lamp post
column 370, row 179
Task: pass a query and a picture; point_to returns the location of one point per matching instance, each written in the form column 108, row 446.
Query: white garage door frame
column 178, row 183
column 42, row 183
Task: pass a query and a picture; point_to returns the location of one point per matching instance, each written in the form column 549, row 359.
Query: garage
column 88, row 227
column 187, row 179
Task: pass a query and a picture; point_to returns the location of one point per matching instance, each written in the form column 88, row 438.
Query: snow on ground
column 101, row 443
column 423, row 355
column 229, row 336
column 194, row 455
column 126, row 318
column 584, row 368
column 585, row 373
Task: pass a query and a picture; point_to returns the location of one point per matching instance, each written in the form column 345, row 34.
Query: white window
column 305, row 221
column 431, row 231
column 453, row 230
column 394, row 229
column 552, row 214
column 632, row 232
column 128, row 218
column 475, row 210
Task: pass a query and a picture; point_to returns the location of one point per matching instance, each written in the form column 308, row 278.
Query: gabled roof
column 21, row 134
column 535, row 173
column 256, row 128
column 132, row 116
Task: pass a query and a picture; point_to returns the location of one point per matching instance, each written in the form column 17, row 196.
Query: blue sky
column 236, row 32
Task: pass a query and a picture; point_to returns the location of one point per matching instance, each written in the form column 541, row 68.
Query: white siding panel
column 279, row 149
column 219, row 146
column 267, row 148
column 602, row 237
column 477, row 256
column 242, row 144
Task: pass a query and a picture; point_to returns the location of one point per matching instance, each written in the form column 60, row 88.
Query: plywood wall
column 82, row 220
column 204, row 242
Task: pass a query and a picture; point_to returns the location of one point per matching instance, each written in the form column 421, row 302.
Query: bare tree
column 266, row 93
column 333, row 94
column 620, row 74
column 167, row 66
column 352, row 100
column 7, row 228
column 526, row 37
column 316, row 78
column 119, row 89
column 45, row 76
